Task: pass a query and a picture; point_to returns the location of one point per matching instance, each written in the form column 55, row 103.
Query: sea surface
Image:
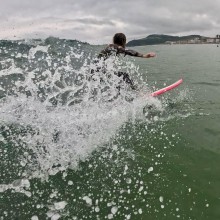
column 76, row 142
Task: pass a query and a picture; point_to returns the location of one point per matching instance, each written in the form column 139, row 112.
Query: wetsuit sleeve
column 133, row 53
column 129, row 52
column 115, row 49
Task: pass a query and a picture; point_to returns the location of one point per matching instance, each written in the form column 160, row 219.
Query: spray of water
column 66, row 110
column 58, row 107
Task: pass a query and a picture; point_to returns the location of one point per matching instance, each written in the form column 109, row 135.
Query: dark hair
column 119, row 39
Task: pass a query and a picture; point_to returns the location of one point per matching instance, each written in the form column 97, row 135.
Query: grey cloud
column 96, row 21
column 91, row 21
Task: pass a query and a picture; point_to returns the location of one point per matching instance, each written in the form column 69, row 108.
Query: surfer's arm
column 135, row 53
column 149, row 55
column 121, row 50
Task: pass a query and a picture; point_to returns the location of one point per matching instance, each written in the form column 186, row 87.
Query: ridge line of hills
column 168, row 39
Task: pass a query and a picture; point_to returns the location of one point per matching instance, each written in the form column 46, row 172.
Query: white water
column 87, row 114
column 56, row 114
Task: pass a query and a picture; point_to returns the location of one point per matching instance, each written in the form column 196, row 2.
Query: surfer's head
column 119, row 39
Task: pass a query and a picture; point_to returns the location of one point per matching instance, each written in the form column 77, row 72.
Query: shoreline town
column 197, row 40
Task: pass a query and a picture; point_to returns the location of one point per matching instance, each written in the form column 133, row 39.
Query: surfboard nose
column 167, row 88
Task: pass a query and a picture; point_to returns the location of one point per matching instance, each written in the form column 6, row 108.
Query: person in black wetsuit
column 118, row 47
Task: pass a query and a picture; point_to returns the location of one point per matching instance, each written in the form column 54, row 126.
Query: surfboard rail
column 167, row 88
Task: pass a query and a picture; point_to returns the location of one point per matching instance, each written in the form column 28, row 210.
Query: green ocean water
column 198, row 152
column 68, row 155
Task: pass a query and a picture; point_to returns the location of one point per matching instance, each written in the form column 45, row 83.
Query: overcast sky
column 96, row 21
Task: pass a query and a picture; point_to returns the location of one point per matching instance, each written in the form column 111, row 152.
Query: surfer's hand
column 149, row 55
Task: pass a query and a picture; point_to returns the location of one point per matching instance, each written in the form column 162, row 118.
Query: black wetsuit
column 114, row 49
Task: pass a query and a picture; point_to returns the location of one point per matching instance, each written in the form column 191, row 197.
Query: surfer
column 118, row 47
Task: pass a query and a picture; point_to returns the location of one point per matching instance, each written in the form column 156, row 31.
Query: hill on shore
column 160, row 39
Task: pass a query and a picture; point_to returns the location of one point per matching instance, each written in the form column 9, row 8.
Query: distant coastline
column 155, row 39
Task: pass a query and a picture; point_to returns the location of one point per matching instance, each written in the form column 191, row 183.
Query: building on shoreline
column 197, row 40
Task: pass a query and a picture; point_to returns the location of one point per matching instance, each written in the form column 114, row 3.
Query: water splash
column 67, row 111
column 57, row 112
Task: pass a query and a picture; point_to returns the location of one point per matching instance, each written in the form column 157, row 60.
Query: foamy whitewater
column 66, row 112
column 57, row 115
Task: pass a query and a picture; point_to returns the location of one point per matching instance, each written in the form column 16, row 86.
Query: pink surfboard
column 166, row 89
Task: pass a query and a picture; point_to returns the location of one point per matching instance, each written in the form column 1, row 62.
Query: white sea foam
column 69, row 113
column 57, row 112
column 20, row 186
